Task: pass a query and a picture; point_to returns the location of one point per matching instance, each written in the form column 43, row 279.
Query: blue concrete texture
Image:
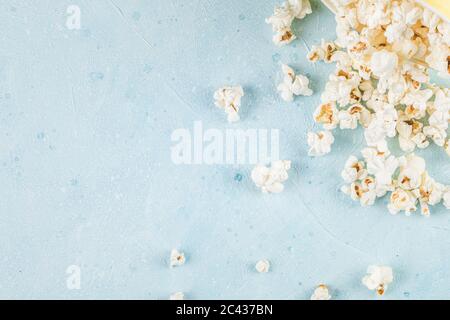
column 86, row 118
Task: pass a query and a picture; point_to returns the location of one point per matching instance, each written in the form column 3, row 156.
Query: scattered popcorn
column 402, row 200
column 176, row 258
column 270, row 179
column 293, row 84
column 282, row 19
column 320, row 143
column 262, row 266
column 177, row 296
column 328, row 115
column 380, row 164
column 321, row 293
column 354, row 170
column 378, row 278
column 229, row 99
column 349, row 118
column 383, row 63
column 300, row 8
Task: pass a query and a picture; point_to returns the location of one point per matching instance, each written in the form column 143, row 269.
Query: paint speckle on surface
column 96, row 76
column 148, row 68
column 276, row 57
column 136, row 16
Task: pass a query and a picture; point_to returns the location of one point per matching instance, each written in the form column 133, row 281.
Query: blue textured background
column 86, row 176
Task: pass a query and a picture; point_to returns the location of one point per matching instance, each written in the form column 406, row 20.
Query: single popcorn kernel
column 270, row 180
column 229, row 99
column 378, row 278
column 262, row 266
column 293, row 85
column 176, row 258
column 321, row 293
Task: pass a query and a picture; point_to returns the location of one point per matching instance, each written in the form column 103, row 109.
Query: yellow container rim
column 440, row 7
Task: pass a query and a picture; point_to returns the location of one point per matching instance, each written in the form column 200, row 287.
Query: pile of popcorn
column 405, row 178
column 381, row 83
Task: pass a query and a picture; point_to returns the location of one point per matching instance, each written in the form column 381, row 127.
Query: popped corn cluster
column 293, row 84
column 270, row 179
column 321, row 293
column 381, row 84
column 283, row 17
column 262, row 266
column 177, row 258
column 229, row 99
column 378, row 278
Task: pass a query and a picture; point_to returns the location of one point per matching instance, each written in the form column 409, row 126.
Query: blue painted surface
column 87, row 179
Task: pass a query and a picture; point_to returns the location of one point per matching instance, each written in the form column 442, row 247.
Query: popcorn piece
column 283, row 17
column 323, row 52
column 402, row 200
column 430, row 20
column 270, row 179
column 383, row 63
column 321, row 293
column 379, row 84
column 416, row 102
column 342, row 88
column 378, row 278
column 404, row 15
column 348, row 119
column 367, row 88
column 412, row 170
column 373, row 13
column 354, row 170
column 262, row 266
column 411, row 134
column 365, row 191
column 229, row 99
column 284, row 36
column 177, row 296
column 176, row 258
column 320, row 143
column 300, row 8
column 429, row 193
column 293, row 84
column 327, row 115
column 381, row 164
